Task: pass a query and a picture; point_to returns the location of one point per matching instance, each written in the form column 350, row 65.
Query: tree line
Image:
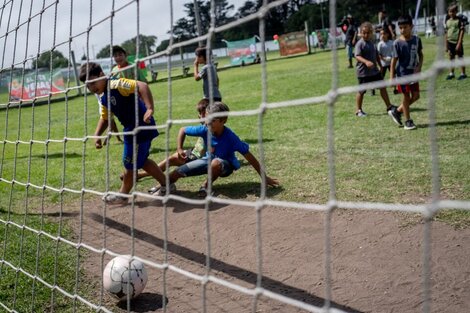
column 289, row 17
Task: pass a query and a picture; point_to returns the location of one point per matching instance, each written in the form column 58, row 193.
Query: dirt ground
column 376, row 257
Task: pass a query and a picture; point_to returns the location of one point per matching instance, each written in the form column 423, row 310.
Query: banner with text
column 242, row 51
column 293, row 43
column 35, row 86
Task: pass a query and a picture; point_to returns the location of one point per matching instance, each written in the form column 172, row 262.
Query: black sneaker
column 450, row 76
column 409, row 125
column 395, row 115
column 462, row 76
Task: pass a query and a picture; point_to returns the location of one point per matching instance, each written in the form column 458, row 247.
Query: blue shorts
column 143, row 149
column 199, row 167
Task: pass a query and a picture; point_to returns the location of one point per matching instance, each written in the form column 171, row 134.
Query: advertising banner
column 35, row 86
column 242, row 51
column 293, row 43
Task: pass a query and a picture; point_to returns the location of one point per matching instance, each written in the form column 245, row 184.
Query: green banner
column 242, row 52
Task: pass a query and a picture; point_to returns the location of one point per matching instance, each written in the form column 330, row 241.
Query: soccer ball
column 121, row 270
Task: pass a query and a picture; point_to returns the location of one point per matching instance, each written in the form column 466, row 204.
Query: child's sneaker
column 395, row 115
column 153, row 190
column 462, row 76
column 361, row 113
column 115, row 199
column 409, row 125
column 162, row 191
column 450, row 76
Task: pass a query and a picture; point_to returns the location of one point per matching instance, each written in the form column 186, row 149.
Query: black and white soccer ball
column 121, row 277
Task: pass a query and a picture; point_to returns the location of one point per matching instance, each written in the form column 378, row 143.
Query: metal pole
column 74, row 65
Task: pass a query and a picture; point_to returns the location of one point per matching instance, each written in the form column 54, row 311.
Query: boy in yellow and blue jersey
column 132, row 114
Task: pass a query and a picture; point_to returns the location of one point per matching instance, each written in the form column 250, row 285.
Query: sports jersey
column 129, row 73
column 223, row 146
column 122, row 104
column 407, row 52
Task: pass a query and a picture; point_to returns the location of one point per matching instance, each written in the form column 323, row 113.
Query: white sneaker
column 361, row 113
column 114, row 199
column 162, row 191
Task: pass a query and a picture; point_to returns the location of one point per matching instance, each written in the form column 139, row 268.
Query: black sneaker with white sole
column 395, row 115
column 409, row 125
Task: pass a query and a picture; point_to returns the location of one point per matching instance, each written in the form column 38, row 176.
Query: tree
column 186, row 28
column 104, row 52
column 146, row 47
column 44, row 60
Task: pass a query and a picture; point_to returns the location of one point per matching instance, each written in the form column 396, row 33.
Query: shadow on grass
column 448, row 123
column 57, row 155
column 220, row 266
column 145, row 302
column 254, row 141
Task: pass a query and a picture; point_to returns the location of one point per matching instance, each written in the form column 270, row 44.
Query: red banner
column 293, row 43
column 35, row 86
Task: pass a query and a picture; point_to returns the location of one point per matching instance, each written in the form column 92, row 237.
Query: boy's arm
column 146, row 95
column 420, row 63
column 368, row 63
column 460, row 40
column 393, row 65
column 180, row 143
column 100, row 128
column 254, row 162
column 196, row 70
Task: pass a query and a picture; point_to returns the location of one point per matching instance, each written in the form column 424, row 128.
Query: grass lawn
column 375, row 160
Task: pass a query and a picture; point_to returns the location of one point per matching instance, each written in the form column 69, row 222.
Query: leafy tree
column 186, row 28
column 104, row 52
column 44, row 60
column 146, row 46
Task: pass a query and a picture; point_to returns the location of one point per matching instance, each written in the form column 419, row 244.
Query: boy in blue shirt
column 122, row 103
column 224, row 144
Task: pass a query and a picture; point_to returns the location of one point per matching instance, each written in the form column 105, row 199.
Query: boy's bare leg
column 385, row 98
column 173, row 160
column 216, row 168
column 359, row 100
column 127, row 182
column 414, row 97
column 153, row 170
column 405, row 106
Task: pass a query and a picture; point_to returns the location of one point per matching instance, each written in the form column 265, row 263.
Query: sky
column 21, row 39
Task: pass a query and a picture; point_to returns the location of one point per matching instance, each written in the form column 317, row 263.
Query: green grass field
column 375, row 160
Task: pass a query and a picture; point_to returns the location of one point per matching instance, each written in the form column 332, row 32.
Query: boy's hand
column 98, row 144
column 148, row 115
column 369, row 64
column 182, row 154
column 272, row 181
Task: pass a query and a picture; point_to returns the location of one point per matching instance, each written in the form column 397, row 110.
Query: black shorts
column 369, row 79
column 452, row 47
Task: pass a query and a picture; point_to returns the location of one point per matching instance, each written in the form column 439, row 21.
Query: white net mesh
column 33, row 30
